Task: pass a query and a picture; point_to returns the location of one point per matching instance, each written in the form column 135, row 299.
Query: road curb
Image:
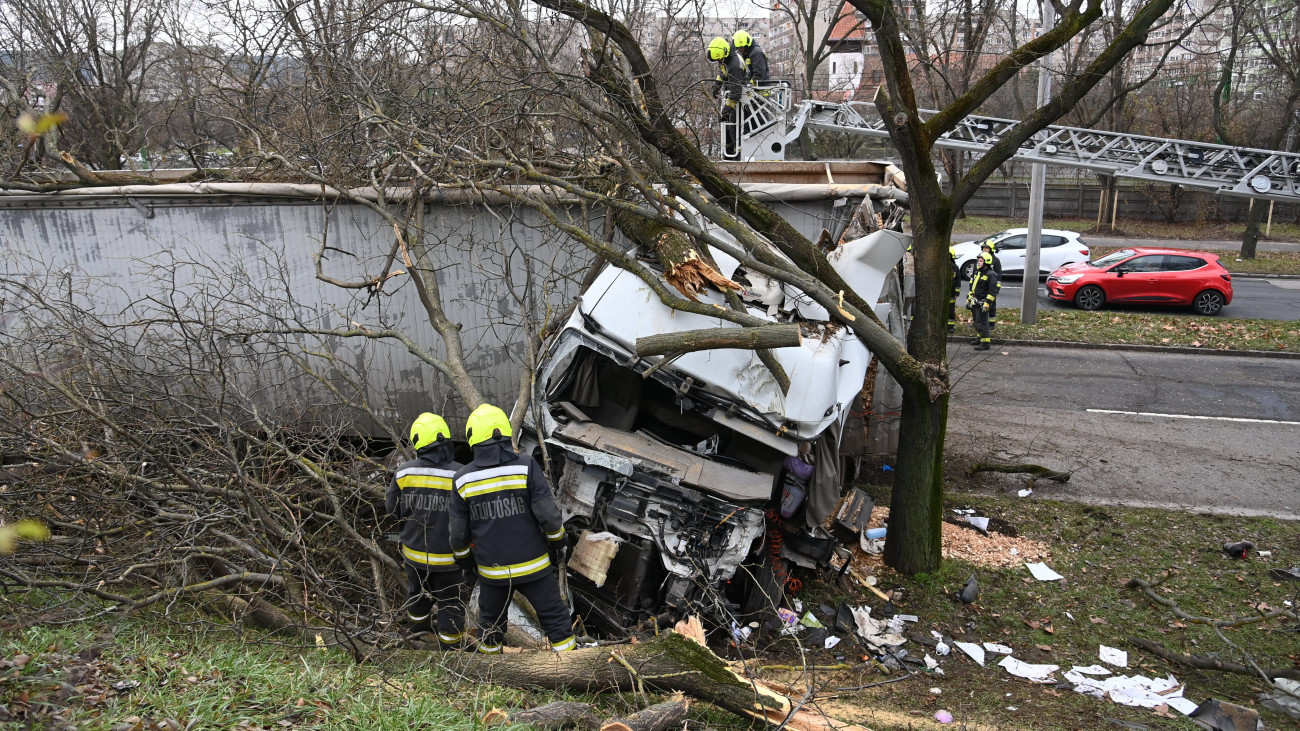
column 1283, row 354
column 1237, row 275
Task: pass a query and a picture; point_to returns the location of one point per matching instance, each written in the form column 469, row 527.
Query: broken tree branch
column 658, row 717
column 1038, row 471
column 744, row 338
column 667, row 663
column 1204, row 662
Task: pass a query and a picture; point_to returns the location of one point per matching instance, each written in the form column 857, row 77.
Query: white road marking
column 1283, row 283
column 1193, row 416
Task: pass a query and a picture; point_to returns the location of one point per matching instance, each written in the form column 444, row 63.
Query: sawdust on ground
column 968, row 544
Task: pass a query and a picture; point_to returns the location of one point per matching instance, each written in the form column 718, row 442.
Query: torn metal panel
column 681, row 466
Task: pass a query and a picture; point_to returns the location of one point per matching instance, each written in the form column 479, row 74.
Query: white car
column 1059, row 248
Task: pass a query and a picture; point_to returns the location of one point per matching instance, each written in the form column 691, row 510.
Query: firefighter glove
column 559, row 551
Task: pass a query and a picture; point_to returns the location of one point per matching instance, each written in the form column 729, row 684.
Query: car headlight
column 1069, row 278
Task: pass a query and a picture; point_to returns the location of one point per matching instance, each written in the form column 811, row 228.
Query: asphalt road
column 1204, row 432
column 1268, row 299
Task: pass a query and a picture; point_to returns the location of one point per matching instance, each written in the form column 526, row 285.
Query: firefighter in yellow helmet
column 955, row 291
column 752, row 54
column 728, row 82
column 420, row 494
column 503, row 509
column 983, row 292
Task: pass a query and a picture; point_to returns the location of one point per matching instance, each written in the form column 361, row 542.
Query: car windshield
column 1111, row 258
column 991, row 239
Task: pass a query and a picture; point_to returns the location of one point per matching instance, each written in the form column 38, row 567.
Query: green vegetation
column 1118, row 326
column 141, row 672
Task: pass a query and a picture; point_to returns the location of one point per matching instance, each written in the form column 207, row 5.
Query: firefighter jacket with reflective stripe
column 503, row 507
column 730, row 78
column 983, row 287
column 420, row 493
column 756, row 64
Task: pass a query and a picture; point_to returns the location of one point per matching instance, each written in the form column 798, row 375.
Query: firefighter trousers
column 981, row 317
column 543, row 593
column 443, row 592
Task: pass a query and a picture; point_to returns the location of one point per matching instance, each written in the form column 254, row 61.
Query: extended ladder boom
column 1226, row 170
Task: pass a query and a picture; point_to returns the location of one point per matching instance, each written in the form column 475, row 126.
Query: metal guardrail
column 1238, row 171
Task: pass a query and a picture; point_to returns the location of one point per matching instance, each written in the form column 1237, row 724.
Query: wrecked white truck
column 698, row 477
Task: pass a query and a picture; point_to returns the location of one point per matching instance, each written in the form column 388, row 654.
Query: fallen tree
column 671, row 663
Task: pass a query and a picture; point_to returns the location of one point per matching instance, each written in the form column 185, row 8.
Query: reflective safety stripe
column 568, row 644
column 495, row 484
column 414, row 618
column 986, row 340
column 515, row 570
column 557, row 535
column 489, row 649
column 429, row 559
column 451, row 638
column 461, row 553
column 480, row 482
column 425, row 477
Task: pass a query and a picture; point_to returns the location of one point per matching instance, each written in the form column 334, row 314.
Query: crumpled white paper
column 1042, row 572
column 874, row 631
column 997, row 649
column 975, row 652
column 1029, row 671
column 1112, row 656
column 1134, row 690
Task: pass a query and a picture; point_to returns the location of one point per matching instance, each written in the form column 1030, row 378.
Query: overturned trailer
column 699, row 468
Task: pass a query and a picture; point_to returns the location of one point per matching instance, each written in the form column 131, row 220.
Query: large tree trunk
column 1258, row 212
column 916, row 506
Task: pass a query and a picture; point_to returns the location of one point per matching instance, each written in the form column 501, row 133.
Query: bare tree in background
column 99, row 56
column 1257, row 99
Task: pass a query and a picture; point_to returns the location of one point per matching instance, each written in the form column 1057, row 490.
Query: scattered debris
column 1238, row 549
column 1025, row 492
column 1028, row 671
column 943, row 717
column 1286, row 699
column 997, row 649
column 1042, row 572
column 831, row 642
column 1291, row 574
column 1134, row 690
column 969, row 593
column 981, row 523
column 996, row 550
column 1217, row 715
column 1112, row 656
column 877, row 633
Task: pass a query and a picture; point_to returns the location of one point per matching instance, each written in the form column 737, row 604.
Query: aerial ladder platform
column 1222, row 169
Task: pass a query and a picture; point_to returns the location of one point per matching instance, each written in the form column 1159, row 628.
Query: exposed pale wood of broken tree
column 659, row 717
column 669, row 663
column 1205, row 662
column 686, row 267
column 561, row 714
column 747, row 338
column 1038, row 471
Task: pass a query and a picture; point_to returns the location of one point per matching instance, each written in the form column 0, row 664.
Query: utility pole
column 1037, row 183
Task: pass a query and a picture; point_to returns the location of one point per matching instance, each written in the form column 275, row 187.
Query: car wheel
column 1208, row 302
column 1090, row 297
column 968, row 270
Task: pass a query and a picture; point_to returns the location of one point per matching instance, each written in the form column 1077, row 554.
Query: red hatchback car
column 1145, row 276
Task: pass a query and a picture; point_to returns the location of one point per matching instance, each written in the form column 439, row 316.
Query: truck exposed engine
column 688, row 466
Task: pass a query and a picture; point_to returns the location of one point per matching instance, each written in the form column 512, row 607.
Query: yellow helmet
column 427, row 429
column 952, row 252
column 719, row 49
column 987, row 258
column 742, row 39
column 486, row 420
